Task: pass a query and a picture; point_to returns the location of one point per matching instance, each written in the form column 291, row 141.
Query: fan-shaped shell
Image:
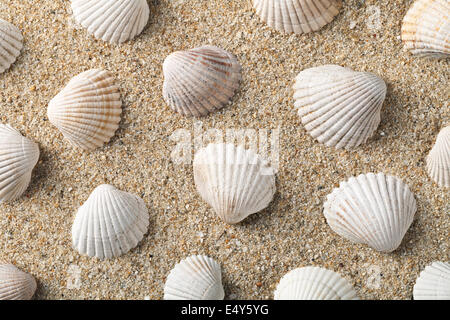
column 433, row 282
column 195, row 278
column 314, row 283
column 236, row 182
column 114, row 21
column 298, row 16
column 438, row 160
column 374, row 209
column 15, row 284
column 110, row 223
column 200, row 80
column 426, row 28
column 10, row 44
column 338, row 106
column 87, row 111
column 18, row 156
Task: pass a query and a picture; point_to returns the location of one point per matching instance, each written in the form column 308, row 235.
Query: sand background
column 35, row 231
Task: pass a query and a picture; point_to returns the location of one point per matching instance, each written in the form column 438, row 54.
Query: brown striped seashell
column 15, row 284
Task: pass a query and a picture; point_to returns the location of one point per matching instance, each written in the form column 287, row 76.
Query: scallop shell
column 433, row 282
column 114, row 21
column 426, row 28
column 195, row 278
column 234, row 181
column 110, row 223
column 299, row 16
column 200, row 80
column 87, row 111
column 15, row 284
column 18, row 156
column 438, row 160
column 374, row 209
column 10, row 44
column 338, row 106
column 314, row 283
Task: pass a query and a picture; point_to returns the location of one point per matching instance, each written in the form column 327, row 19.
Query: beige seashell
column 298, row 16
column 10, row 44
column 433, row 282
column 200, row 80
column 338, row 106
column 15, row 284
column 426, row 28
column 114, row 21
column 438, row 160
column 87, row 111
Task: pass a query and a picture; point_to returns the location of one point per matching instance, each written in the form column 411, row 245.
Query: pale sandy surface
column 35, row 231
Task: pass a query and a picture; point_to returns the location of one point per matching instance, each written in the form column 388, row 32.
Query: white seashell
column 433, row 282
column 298, row 16
column 374, row 209
column 195, row 278
column 110, row 223
column 236, row 182
column 114, row 21
column 200, row 80
column 15, row 284
column 18, row 156
column 438, row 160
column 426, row 28
column 10, row 44
column 314, row 283
column 87, row 111
column 338, row 106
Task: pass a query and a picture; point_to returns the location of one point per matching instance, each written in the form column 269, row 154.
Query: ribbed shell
column 338, row 106
column 15, row 284
column 18, row 156
column 110, row 223
column 114, row 21
column 298, row 16
column 200, row 80
column 234, row 181
column 433, row 282
column 87, row 111
column 438, row 160
column 195, row 278
column 426, row 28
column 374, row 209
column 10, row 44
column 314, row 283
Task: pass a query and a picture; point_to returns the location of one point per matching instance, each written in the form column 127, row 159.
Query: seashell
column 338, row 106
column 298, row 16
column 114, row 21
column 87, row 111
column 110, row 223
column 236, row 182
column 314, row 283
column 18, row 156
column 438, row 160
column 15, row 284
column 10, row 44
column 195, row 278
column 374, row 209
column 200, row 80
column 426, row 28
column 433, row 282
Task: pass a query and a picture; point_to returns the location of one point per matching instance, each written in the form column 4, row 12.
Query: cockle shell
column 87, row 111
column 10, row 44
column 438, row 160
column 110, row 223
column 426, row 28
column 338, row 106
column 200, row 80
column 298, row 16
column 433, row 282
column 195, row 278
column 18, row 156
column 374, row 209
column 314, row 283
column 15, row 284
column 114, row 21
column 236, row 182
